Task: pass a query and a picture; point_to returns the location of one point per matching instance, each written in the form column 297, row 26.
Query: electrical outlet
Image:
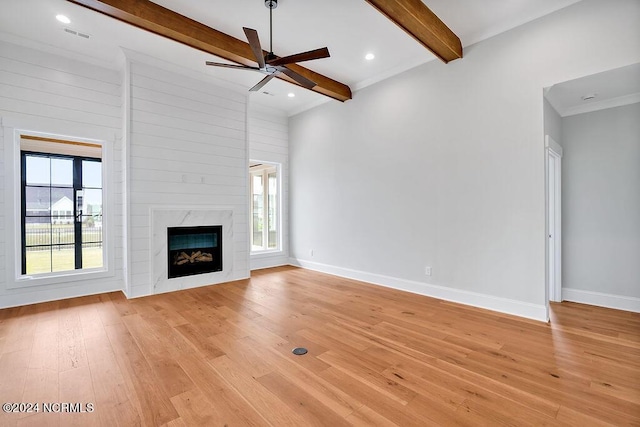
column 311, row 252
column 427, row 271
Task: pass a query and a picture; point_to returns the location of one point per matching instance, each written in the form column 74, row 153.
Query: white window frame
column 263, row 167
column 13, row 212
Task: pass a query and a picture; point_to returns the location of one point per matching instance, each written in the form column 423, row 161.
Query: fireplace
column 194, row 250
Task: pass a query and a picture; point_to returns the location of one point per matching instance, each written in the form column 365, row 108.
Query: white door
column 554, row 223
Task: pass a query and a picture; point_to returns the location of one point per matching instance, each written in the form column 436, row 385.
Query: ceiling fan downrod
column 271, row 4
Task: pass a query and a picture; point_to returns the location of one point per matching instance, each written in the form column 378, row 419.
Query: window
column 265, row 212
column 61, row 205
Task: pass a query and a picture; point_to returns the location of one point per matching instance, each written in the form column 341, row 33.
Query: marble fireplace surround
column 163, row 218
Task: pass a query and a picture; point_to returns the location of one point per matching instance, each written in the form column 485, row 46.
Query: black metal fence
column 60, row 237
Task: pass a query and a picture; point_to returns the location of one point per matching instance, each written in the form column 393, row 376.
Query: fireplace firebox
column 194, row 250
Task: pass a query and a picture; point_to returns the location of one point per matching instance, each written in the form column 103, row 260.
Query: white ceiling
column 613, row 88
column 349, row 28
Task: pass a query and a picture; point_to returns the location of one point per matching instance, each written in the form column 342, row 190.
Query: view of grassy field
column 50, row 247
column 61, row 260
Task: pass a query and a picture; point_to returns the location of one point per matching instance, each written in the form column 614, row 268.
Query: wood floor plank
column 273, row 410
column 20, row 334
column 201, row 343
column 386, row 407
column 226, row 405
column 154, row 404
column 422, row 386
column 14, row 369
column 366, row 417
column 114, row 404
column 196, row 410
column 574, row 417
column 221, row 355
column 301, row 402
column 71, row 350
column 42, row 382
column 170, row 374
column 365, row 373
column 75, row 389
column 40, row 419
column 328, row 394
column 90, row 321
column 244, row 353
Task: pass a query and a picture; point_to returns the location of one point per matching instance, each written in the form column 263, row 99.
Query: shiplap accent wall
column 47, row 93
column 187, row 149
column 269, row 142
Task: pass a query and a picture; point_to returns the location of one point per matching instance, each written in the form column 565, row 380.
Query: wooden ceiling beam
column 417, row 20
column 167, row 23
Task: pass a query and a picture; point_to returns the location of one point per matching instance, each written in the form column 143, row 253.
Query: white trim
column 55, row 294
column 247, row 179
column 619, row 101
column 263, row 261
column 13, row 130
column 553, row 289
column 126, row 175
column 266, row 165
column 553, row 145
column 502, row 305
column 618, row 302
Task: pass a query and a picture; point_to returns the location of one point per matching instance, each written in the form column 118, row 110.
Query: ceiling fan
column 270, row 64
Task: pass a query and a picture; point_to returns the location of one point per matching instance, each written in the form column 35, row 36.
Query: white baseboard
column 502, row 305
column 28, row 298
column 259, row 263
column 618, row 302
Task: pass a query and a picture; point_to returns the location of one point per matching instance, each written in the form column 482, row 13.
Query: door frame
column 553, row 192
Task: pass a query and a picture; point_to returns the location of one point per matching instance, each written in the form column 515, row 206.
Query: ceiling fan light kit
column 270, row 64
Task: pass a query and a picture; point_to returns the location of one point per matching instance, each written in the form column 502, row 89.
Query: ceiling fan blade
column 262, row 83
column 254, row 42
column 303, row 81
column 301, row 57
column 238, row 67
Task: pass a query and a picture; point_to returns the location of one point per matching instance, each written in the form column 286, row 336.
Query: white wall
column 40, row 92
column 444, row 165
column 601, row 204
column 269, row 142
column 187, row 149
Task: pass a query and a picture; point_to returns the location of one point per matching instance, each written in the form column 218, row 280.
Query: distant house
column 39, row 208
column 62, row 211
column 37, row 204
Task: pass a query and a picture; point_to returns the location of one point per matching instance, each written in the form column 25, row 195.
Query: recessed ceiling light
column 291, row 95
column 63, row 19
column 369, row 56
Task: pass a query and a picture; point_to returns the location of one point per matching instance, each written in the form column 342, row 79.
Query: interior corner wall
column 443, row 165
column 48, row 93
column 187, row 151
column 601, row 204
column 269, row 142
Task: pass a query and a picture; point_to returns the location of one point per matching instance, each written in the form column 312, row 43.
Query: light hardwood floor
column 221, row 355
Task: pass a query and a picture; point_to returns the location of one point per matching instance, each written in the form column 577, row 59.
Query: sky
column 59, row 173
